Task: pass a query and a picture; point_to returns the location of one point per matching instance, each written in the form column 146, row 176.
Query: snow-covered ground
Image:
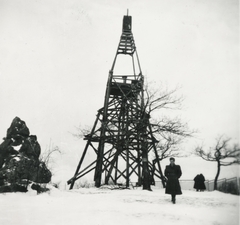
column 92, row 206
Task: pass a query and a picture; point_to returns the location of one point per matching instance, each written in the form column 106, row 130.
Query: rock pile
column 19, row 160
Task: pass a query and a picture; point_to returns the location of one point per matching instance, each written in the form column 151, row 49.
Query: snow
column 17, row 148
column 92, row 206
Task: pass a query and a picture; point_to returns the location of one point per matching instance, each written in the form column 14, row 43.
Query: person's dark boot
column 173, row 199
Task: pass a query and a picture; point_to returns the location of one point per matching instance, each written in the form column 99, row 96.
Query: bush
column 83, row 184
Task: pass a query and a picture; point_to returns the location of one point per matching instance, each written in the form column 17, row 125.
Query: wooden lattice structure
column 121, row 136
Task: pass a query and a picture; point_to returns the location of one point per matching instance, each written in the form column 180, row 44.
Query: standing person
column 197, row 182
column 202, row 186
column 173, row 173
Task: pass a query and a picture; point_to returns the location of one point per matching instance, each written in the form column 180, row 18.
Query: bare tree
column 168, row 131
column 47, row 155
column 222, row 154
column 81, row 132
column 160, row 98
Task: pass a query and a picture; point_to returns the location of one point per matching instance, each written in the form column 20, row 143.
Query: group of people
column 172, row 173
column 199, row 184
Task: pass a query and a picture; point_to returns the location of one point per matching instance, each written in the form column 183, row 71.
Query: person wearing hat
column 173, row 173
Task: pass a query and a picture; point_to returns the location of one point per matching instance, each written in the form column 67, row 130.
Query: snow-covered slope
column 91, row 206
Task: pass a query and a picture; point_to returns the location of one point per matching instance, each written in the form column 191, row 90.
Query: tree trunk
column 145, row 170
column 217, row 175
column 144, row 146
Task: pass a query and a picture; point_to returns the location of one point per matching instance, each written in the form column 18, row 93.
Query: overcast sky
column 55, row 56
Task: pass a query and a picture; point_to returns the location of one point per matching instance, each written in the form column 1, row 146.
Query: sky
column 55, row 56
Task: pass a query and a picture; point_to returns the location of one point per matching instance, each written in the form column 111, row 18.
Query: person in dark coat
column 196, row 182
column 199, row 184
column 173, row 173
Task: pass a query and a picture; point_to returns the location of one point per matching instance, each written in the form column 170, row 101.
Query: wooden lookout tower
column 121, row 136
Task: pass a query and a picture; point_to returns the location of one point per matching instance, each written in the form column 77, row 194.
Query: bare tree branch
column 162, row 100
column 81, row 132
column 46, row 156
